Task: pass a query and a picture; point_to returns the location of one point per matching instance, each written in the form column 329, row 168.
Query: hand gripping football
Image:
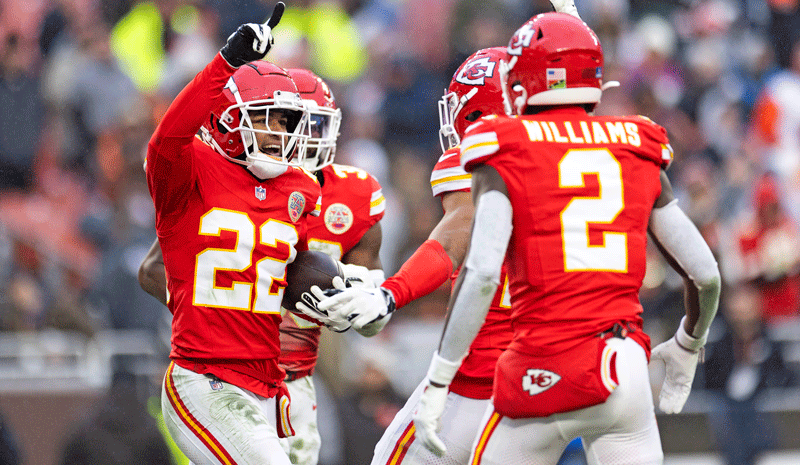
column 309, row 268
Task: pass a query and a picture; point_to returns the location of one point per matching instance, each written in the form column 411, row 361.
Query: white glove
column 428, row 418
column 359, row 305
column 356, row 275
column 565, row 6
column 680, row 365
column 309, row 306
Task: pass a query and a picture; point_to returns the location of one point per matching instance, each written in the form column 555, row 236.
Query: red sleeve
column 427, row 269
column 169, row 165
column 448, row 175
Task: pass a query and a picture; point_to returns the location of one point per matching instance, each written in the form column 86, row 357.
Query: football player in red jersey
column 565, row 199
column 474, row 91
column 348, row 230
column 232, row 209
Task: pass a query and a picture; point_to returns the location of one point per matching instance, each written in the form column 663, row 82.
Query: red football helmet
column 474, row 91
column 255, row 89
column 553, row 59
column 325, row 118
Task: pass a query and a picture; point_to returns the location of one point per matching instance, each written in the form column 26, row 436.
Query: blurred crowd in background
column 84, row 82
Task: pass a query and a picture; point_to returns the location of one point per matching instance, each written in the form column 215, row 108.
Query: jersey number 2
column 580, row 212
column 276, row 238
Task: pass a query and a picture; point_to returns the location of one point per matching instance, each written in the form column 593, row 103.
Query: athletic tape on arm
column 491, row 232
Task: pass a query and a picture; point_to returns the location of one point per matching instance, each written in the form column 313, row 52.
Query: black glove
column 251, row 41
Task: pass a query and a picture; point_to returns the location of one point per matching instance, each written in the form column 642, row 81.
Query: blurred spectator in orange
column 769, row 253
column 740, row 366
column 776, row 120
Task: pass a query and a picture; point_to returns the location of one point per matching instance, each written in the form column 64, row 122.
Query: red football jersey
column 352, row 202
column 226, row 238
column 474, row 378
column 582, row 188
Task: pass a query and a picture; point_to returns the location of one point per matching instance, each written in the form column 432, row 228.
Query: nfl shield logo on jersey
column 297, row 203
column 216, row 384
column 261, row 193
column 338, row 218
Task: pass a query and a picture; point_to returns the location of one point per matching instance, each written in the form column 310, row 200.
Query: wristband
column 388, row 298
column 442, row 371
column 692, row 344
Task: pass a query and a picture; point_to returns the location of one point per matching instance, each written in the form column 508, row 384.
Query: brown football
column 309, row 268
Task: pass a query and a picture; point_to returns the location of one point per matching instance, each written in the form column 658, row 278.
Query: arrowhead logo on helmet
column 474, row 91
column 476, row 72
column 555, row 59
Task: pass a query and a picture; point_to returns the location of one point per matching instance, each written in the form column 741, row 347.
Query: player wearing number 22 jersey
column 226, row 238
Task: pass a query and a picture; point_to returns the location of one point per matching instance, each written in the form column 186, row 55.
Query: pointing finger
column 277, row 13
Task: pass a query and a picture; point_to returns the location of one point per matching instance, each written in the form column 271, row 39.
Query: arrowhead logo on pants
column 537, row 381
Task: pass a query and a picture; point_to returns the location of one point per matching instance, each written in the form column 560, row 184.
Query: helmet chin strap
column 266, row 170
column 504, row 69
column 521, row 100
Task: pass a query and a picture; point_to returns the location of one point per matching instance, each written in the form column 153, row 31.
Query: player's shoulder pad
column 448, row 175
column 480, row 122
column 301, row 175
column 652, row 128
column 483, row 139
column 655, row 132
column 360, row 185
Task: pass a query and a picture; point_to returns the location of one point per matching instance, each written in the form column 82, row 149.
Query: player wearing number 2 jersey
column 231, row 212
column 565, row 200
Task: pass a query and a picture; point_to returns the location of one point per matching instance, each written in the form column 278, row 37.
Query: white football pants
column 217, row 423
column 460, row 421
column 620, row 431
column 303, row 448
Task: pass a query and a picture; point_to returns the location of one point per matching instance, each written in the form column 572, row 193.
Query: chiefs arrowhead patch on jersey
column 297, row 203
column 537, row 381
column 338, row 218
